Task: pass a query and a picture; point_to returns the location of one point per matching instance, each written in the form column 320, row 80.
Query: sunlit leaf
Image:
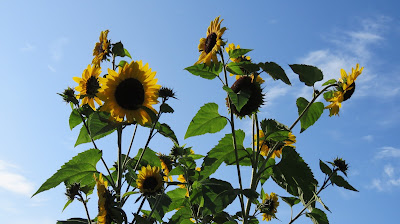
column 207, row 120
column 236, row 53
column 166, row 131
column 127, row 53
column 74, row 119
column 238, row 99
column 205, row 71
column 330, row 81
column 149, row 158
column 311, row 115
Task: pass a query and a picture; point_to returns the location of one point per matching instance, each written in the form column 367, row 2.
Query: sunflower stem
column 155, row 205
column 120, row 168
column 95, row 146
column 130, row 147
column 86, row 209
column 232, row 122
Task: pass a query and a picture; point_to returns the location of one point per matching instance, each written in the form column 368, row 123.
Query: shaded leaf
column 307, row 73
column 166, row 131
column 275, row 71
column 341, row 182
column 118, row 49
column 204, row 71
column 264, row 176
column 161, row 208
column 242, row 68
column 73, row 221
column 328, row 95
column 324, row 168
column 311, row 115
column 238, row 99
column 207, row 120
column 149, row 158
column 165, row 108
column 74, row 119
column 79, row 169
column 317, row 216
column 290, row 200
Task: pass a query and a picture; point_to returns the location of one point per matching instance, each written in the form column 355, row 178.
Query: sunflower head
column 149, row 180
column 89, row 86
column 69, row 96
column 341, row 165
column 102, row 49
column 336, row 102
column 166, row 166
column 347, row 81
column 104, row 200
column 127, row 93
column 269, row 206
column 73, row 190
column 210, row 45
column 165, row 93
column 256, row 99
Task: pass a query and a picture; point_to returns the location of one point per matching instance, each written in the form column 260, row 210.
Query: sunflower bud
column 73, row 190
column 166, row 93
column 69, row 95
column 341, row 165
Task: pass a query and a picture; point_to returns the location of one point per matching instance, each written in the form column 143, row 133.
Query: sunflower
column 210, row 45
column 102, row 193
column 166, row 166
column 269, row 206
column 149, row 180
column 102, row 49
column 345, row 89
column 239, row 59
column 89, row 86
column 127, row 92
column 266, row 145
column 256, row 99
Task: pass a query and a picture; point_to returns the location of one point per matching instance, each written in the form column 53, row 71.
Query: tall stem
column 120, row 168
column 86, row 209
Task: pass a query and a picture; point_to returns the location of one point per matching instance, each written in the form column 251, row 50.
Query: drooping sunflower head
column 269, row 206
column 210, row 45
column 166, row 166
column 256, row 99
column 89, row 86
column 347, row 81
column 126, row 93
column 103, row 217
column 336, row 103
column 149, row 180
column 102, row 49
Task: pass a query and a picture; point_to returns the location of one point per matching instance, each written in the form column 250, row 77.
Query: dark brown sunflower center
column 210, row 42
column 350, row 92
column 129, row 94
column 92, row 86
column 150, row 183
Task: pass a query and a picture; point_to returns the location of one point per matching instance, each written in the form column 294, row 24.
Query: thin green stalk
column 234, row 142
column 119, row 177
column 130, row 147
column 155, row 206
column 86, row 209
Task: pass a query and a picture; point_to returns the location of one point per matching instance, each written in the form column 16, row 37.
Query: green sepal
column 236, row 53
column 307, row 73
column 221, row 152
column 325, row 168
column 317, row 216
column 242, row 68
column 165, row 108
column 275, row 71
column 292, row 173
column 205, row 71
column 74, row 119
column 79, row 169
column 330, row 81
column 328, row 95
column 207, row 120
column 238, row 99
column 290, row 200
column 341, row 182
column 311, row 115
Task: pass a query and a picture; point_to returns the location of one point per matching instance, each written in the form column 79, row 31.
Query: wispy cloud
column 51, row 68
column 388, row 152
column 13, row 181
column 368, row 138
column 388, row 180
column 28, row 47
column 274, row 93
column 57, row 48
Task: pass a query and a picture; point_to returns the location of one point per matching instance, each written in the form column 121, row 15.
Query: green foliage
column 292, row 173
column 341, row 182
column 74, row 119
column 242, row 68
column 330, row 81
column 238, row 99
column 122, row 63
column 311, row 115
column 307, row 73
column 325, row 168
column 161, row 207
column 270, row 126
column 204, row 71
column 166, row 131
column 118, row 50
column 182, row 215
column 267, row 171
column 178, row 198
column 275, row 71
column 317, row 216
column 79, row 169
column 151, row 113
column 290, row 200
column 165, row 108
column 221, row 152
column 207, row 120
column 236, row 53
column 127, row 53
column 149, row 158
column 73, row 221
column 328, row 95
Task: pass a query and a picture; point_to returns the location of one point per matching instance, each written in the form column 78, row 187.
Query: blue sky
column 45, row 43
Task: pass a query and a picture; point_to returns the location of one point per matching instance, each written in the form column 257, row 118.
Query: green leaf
column 74, row 119
column 328, row 95
column 166, row 131
column 236, row 53
column 130, row 193
column 250, row 193
column 118, row 49
column 317, row 216
column 290, row 200
column 127, row 53
column 292, row 173
column 270, row 126
column 207, row 120
column 73, row 221
column 330, row 81
column 275, row 71
column 341, row 182
column 178, row 198
column 149, row 158
column 122, row 63
column 311, row 115
column 307, row 73
column 165, row 108
column 66, row 204
column 221, row 152
column 264, row 176
column 242, row 68
column 324, row 168
column 204, row 71
column 162, row 206
column 278, row 136
column 318, row 198
column 184, row 213
column 243, row 157
column 79, row 169
column 98, row 129
column 238, row 99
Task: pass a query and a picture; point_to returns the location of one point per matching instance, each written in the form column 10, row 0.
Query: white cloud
column 388, row 151
column 274, row 93
column 389, row 170
column 376, row 184
column 14, row 182
column 368, row 138
column 57, row 48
